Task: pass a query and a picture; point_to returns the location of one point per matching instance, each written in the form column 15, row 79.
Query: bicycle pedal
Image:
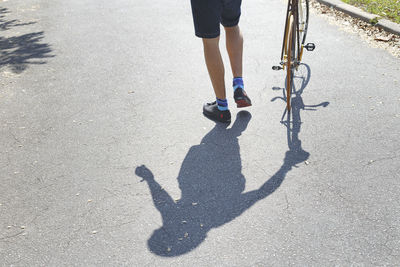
column 310, row 46
column 277, row 68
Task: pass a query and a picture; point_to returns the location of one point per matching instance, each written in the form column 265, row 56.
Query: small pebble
column 89, row 200
column 94, row 232
column 77, row 194
column 22, row 227
column 185, row 235
column 306, row 162
column 9, row 227
column 194, row 203
column 168, row 249
column 201, row 225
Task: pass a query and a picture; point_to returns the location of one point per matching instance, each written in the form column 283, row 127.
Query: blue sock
column 222, row 104
column 237, row 83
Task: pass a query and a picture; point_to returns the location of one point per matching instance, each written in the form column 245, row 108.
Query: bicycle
column 294, row 37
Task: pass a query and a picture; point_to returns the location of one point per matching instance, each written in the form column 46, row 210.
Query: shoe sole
column 242, row 103
column 211, row 117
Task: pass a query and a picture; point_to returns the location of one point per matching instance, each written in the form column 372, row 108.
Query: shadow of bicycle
column 293, row 121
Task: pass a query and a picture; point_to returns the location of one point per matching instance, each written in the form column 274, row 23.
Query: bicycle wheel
column 303, row 23
column 290, row 48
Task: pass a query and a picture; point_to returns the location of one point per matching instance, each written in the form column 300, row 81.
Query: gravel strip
column 375, row 36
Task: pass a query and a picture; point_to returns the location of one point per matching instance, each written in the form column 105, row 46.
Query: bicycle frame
column 293, row 42
column 292, row 9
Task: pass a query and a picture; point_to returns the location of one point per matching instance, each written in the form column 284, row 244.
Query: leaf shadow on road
column 212, row 183
column 18, row 52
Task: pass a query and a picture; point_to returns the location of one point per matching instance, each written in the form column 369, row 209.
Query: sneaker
column 241, row 98
column 211, row 111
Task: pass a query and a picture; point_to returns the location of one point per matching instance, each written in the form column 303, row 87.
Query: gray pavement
column 92, row 90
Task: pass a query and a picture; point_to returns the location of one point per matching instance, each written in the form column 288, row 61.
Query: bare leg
column 215, row 66
column 234, row 46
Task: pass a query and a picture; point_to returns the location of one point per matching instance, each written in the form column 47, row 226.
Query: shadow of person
column 212, row 186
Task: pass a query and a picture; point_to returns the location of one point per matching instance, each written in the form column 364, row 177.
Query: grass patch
column 389, row 9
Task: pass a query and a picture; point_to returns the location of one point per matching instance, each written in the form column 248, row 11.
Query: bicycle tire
column 290, row 58
column 303, row 15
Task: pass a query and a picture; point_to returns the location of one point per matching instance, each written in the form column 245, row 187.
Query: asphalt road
column 92, row 90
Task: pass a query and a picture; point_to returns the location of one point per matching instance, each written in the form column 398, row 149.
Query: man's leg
column 215, row 66
column 216, row 110
column 234, row 46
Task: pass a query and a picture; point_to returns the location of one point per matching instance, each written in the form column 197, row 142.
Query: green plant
column 389, row 9
column 374, row 21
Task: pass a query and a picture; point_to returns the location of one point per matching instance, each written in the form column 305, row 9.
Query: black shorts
column 208, row 14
